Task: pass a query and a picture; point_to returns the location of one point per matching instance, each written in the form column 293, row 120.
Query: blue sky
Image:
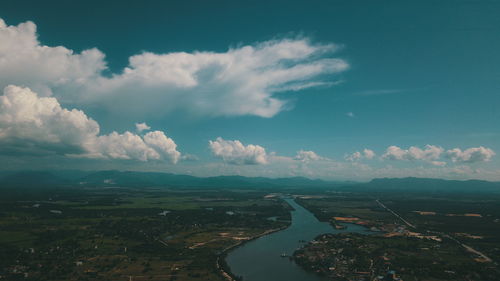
column 330, row 78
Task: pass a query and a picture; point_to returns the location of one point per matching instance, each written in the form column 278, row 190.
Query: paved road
column 396, row 214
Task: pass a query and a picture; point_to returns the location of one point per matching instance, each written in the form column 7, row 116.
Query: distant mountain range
column 140, row 179
column 432, row 185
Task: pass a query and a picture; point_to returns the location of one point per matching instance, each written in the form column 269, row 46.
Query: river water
column 260, row 259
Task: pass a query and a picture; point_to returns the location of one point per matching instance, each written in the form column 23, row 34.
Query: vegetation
column 445, row 236
column 148, row 226
column 114, row 234
column 364, row 257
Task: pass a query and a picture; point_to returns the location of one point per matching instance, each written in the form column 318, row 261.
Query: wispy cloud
column 239, row 81
column 139, row 127
column 377, row 92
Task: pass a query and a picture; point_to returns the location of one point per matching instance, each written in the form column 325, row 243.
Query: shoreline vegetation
column 418, row 237
column 221, row 263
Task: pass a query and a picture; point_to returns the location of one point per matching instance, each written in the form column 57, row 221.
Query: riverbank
column 224, row 268
column 262, row 259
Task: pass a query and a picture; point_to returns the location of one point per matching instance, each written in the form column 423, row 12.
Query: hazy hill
column 138, row 179
column 171, row 180
column 430, row 185
column 155, row 179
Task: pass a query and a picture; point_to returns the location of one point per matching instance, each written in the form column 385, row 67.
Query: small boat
column 283, row 255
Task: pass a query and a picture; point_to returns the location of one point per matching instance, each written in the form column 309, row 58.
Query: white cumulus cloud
column 240, row 81
column 24, row 61
column 122, row 146
column 471, row 155
column 366, row 154
column 355, row 156
column 234, row 152
column 306, row 156
column 30, row 122
column 430, row 154
column 164, row 145
column 26, row 117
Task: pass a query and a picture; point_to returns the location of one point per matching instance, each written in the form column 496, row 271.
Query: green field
column 96, row 234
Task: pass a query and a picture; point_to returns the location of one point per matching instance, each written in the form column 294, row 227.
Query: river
column 260, row 259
